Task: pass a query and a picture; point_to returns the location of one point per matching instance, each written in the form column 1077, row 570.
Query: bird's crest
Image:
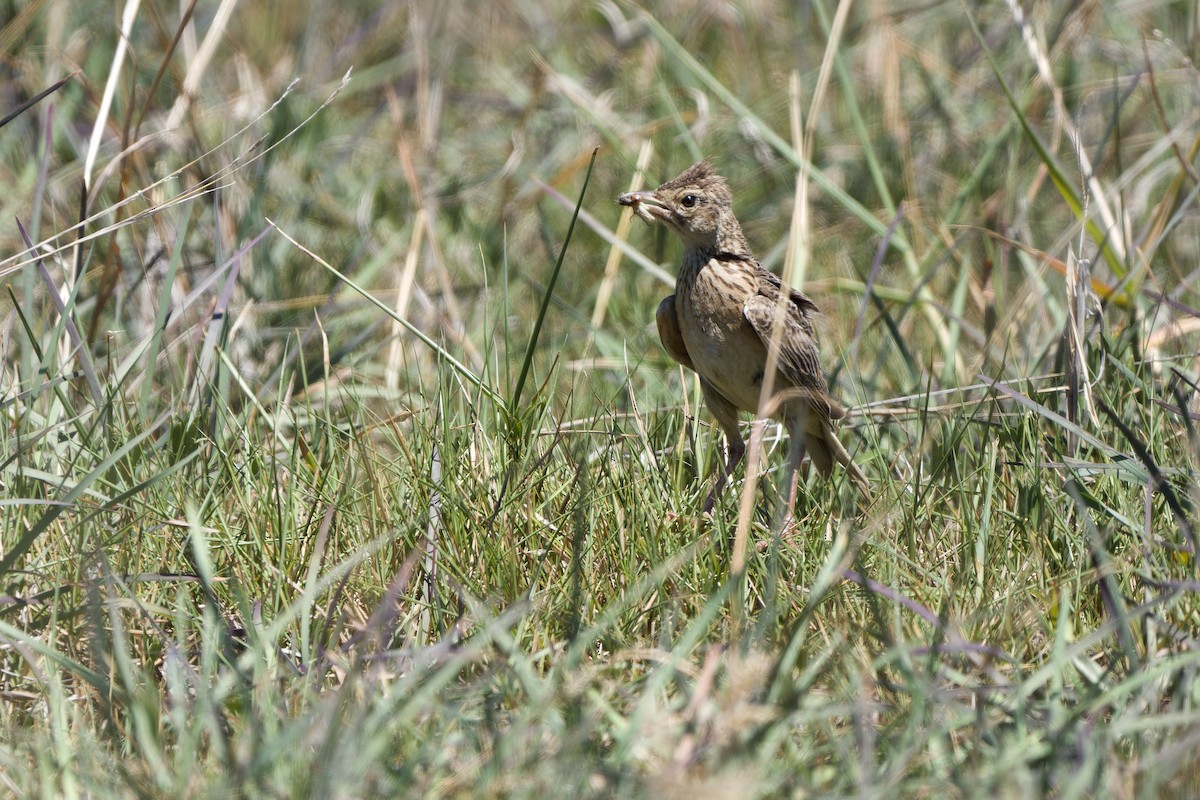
column 698, row 174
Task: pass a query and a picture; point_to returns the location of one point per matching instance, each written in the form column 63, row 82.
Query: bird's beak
column 646, row 205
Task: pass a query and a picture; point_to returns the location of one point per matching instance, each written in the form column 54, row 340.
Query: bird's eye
column 689, row 200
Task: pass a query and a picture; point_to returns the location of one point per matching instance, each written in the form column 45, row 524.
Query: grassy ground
column 337, row 461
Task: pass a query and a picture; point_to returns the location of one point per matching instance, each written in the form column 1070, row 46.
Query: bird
column 720, row 321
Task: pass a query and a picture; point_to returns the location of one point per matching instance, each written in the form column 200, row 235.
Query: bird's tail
column 824, row 448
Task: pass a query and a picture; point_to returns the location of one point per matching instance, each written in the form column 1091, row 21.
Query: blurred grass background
column 277, row 519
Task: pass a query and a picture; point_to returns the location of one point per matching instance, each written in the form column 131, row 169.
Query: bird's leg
column 795, row 456
column 727, row 417
column 737, row 449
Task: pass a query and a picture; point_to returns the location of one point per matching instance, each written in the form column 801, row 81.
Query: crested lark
column 719, row 323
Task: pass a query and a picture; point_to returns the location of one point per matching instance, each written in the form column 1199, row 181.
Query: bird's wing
column 803, row 303
column 799, row 358
column 668, row 332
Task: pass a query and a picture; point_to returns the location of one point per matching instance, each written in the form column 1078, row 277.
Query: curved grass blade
column 457, row 365
column 537, row 325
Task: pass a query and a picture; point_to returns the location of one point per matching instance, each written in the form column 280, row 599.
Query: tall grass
column 341, row 457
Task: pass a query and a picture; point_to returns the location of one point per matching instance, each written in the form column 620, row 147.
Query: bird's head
column 697, row 205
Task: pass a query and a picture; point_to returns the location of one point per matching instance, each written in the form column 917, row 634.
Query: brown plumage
column 719, row 323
